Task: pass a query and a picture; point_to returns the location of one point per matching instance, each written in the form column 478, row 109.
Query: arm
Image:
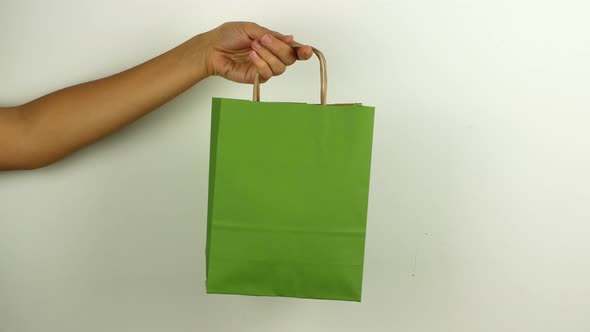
column 49, row 128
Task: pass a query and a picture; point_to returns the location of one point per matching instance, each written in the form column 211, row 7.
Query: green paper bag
column 288, row 196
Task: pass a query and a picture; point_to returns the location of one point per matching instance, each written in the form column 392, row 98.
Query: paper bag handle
column 323, row 76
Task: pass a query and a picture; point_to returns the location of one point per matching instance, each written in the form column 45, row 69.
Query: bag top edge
column 292, row 103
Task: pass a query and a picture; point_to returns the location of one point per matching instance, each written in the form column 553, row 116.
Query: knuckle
column 276, row 64
column 259, row 64
column 291, row 60
column 281, row 69
column 266, row 75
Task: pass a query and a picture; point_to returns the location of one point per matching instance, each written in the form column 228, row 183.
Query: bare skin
column 51, row 127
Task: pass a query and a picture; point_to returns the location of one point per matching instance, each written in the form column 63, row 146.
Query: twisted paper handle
column 323, row 77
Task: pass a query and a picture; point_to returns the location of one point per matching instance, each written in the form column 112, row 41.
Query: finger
column 281, row 50
column 304, row 52
column 261, row 66
column 256, row 32
column 275, row 64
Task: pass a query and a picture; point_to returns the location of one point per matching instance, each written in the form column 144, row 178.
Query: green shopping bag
column 288, row 195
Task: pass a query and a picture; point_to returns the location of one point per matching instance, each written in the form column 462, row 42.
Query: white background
column 479, row 216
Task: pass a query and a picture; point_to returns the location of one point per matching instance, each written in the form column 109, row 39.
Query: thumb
column 286, row 39
column 256, row 32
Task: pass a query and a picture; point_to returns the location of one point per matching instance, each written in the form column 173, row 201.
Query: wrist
column 200, row 48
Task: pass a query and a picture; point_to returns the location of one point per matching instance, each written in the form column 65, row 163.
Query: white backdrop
column 479, row 215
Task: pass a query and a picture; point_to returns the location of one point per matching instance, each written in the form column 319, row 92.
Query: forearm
column 67, row 120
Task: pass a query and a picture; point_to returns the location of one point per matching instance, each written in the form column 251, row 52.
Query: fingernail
column 256, row 45
column 253, row 55
column 266, row 40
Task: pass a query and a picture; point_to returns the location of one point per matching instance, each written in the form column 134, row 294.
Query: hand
column 237, row 50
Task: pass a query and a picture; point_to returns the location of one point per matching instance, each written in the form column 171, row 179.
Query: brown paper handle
column 323, row 76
